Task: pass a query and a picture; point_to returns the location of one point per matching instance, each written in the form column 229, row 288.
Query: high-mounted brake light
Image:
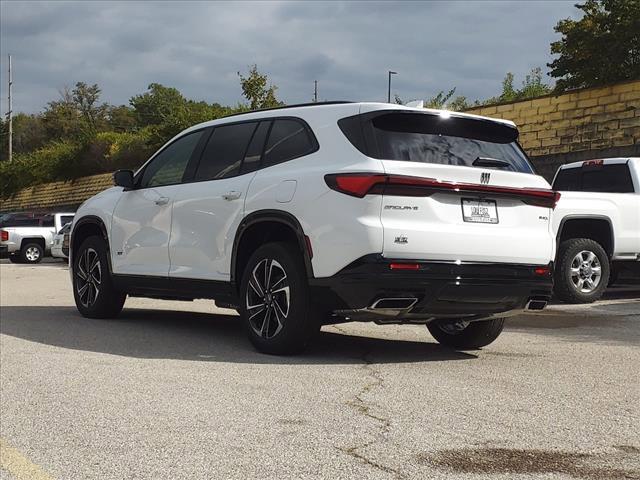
column 593, row 163
column 4, row 236
column 362, row 184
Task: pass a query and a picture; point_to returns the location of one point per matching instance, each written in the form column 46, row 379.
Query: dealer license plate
column 477, row 210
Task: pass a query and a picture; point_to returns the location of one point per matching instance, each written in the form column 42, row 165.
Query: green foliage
column 255, row 90
column 532, row 87
column 602, row 47
column 78, row 135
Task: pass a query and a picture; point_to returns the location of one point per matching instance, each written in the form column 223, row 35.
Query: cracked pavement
column 173, row 390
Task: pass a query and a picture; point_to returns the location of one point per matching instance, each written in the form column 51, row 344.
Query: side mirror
column 123, row 178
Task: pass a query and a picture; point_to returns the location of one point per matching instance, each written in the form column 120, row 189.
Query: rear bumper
column 433, row 290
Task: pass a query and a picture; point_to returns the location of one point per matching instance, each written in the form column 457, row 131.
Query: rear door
column 208, row 209
column 478, row 201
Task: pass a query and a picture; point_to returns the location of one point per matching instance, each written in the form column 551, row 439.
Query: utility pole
column 9, row 114
column 315, row 91
column 389, row 89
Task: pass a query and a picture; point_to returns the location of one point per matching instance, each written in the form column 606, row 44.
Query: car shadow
column 165, row 334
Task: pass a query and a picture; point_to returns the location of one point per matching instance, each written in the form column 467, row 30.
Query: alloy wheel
column 586, row 271
column 32, row 254
column 268, row 298
column 88, row 277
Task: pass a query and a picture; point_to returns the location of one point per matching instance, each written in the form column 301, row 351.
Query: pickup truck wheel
column 31, row 253
column 462, row 335
column 274, row 301
column 582, row 271
column 93, row 288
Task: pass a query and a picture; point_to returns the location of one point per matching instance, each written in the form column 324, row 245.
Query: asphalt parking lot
column 173, row 390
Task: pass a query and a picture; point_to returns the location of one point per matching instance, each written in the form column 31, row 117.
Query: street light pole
column 389, row 89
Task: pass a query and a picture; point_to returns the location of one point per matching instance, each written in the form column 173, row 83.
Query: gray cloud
column 199, row 46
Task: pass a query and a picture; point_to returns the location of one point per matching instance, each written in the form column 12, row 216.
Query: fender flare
column 90, row 220
column 588, row 217
column 278, row 216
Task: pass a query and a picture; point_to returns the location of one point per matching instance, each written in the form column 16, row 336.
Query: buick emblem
column 484, row 178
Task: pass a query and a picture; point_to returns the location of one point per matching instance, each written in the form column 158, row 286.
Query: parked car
column 27, row 238
column 308, row 215
column 597, row 223
column 60, row 249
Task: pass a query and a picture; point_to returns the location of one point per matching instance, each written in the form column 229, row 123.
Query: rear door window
column 288, row 139
column 223, row 155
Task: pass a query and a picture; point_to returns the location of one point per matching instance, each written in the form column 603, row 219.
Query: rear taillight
column 4, row 236
column 544, row 271
column 361, row 184
column 404, row 266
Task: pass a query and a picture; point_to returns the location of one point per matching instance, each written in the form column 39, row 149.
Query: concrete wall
column 580, row 125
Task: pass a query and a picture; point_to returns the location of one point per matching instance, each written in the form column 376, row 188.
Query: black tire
column 475, row 335
column 99, row 299
column 31, row 253
column 292, row 329
column 565, row 287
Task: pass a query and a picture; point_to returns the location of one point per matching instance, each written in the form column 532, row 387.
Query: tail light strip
column 362, row 184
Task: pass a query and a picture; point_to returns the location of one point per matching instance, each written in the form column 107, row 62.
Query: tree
column 61, row 118
column 532, row 87
column 156, row 105
column 255, row 90
column 602, row 47
column 85, row 98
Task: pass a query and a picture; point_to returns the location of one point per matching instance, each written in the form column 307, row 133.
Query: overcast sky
column 198, row 47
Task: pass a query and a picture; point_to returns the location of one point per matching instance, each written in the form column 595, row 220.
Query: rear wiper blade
column 491, row 162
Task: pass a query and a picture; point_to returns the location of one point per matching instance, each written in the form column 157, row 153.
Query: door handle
column 162, row 201
column 232, row 195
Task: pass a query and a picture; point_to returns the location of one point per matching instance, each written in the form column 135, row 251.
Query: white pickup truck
column 597, row 222
column 27, row 238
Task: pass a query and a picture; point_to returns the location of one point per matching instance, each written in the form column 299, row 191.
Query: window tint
column 20, row 221
column 64, row 219
column 609, row 178
column 453, row 141
column 568, row 180
column 168, row 166
column 254, row 152
column 225, row 150
column 288, row 139
column 48, row 221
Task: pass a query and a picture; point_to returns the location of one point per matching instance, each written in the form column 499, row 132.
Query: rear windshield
column 614, row 178
column 425, row 138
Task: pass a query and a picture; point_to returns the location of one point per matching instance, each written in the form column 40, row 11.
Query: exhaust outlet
column 403, row 303
column 536, row 305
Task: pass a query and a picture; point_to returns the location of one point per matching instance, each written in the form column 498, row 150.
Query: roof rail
column 311, row 104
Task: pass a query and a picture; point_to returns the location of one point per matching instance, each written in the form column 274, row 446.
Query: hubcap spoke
column 267, row 298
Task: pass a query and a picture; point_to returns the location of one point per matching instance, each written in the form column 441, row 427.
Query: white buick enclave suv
column 324, row 213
